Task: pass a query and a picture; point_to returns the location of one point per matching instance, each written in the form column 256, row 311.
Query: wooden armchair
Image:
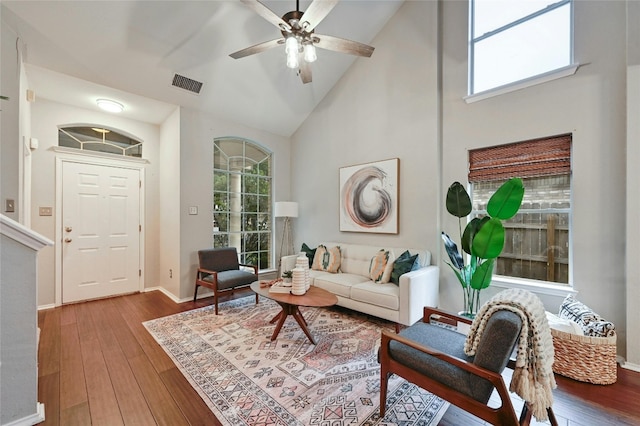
column 220, row 271
column 433, row 358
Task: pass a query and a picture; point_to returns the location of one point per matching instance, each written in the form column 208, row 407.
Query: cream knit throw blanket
column 533, row 377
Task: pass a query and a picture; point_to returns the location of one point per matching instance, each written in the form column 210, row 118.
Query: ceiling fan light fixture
column 299, row 36
column 291, row 48
column 310, row 53
column 291, row 45
column 292, row 60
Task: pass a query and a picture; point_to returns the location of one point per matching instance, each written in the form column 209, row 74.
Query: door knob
column 67, row 240
column 68, row 229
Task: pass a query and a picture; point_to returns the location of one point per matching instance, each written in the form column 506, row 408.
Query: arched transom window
column 98, row 138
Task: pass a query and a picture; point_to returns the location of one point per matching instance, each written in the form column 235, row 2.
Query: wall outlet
column 193, row 210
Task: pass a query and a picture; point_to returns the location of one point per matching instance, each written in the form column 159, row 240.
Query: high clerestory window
column 511, row 41
column 242, row 187
column 100, row 139
column 537, row 239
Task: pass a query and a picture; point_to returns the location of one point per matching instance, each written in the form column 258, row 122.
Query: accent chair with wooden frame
column 432, row 357
column 219, row 270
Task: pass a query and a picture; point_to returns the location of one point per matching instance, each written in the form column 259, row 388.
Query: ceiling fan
column 299, row 37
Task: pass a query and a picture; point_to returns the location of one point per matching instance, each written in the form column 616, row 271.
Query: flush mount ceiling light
column 109, row 105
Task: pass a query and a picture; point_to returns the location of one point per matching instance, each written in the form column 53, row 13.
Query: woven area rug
column 248, row 380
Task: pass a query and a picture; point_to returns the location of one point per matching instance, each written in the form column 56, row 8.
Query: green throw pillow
column 403, row 264
column 311, row 253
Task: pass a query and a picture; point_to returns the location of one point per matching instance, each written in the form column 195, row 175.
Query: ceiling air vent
column 186, row 83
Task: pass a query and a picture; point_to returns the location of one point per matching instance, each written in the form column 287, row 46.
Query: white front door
column 100, row 231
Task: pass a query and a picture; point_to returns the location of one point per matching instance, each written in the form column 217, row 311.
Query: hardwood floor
column 98, row 365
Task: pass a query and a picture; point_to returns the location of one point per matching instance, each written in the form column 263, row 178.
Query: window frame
column 553, row 74
column 557, row 158
column 263, row 236
column 99, row 134
column 523, row 227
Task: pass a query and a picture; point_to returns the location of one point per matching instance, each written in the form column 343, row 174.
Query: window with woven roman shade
column 537, row 238
column 533, row 158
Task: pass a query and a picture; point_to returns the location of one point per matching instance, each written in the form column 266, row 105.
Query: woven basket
column 584, row 358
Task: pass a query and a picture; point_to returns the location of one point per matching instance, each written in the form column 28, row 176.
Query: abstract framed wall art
column 369, row 197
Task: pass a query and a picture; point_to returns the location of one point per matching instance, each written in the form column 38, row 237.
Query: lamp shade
column 286, row 209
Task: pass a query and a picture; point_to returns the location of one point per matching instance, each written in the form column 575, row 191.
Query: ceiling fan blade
column 316, row 12
column 305, row 72
column 342, row 45
column 261, row 47
column 267, row 14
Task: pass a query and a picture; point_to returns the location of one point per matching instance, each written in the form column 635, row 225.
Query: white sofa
column 402, row 304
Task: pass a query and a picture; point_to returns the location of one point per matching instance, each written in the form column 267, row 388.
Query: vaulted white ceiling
column 130, row 51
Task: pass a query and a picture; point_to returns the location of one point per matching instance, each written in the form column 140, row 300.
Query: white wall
column 179, row 175
column 633, row 222
column 169, row 205
column 591, row 106
column 18, row 354
column 384, row 107
column 9, row 128
column 46, row 117
column 633, row 181
column 197, row 132
column 18, row 324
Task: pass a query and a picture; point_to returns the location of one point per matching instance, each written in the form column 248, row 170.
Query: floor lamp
column 287, row 210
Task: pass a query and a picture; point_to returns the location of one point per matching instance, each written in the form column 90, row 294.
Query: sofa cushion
column 403, row 264
column 383, row 295
column 339, row 284
column 327, row 259
column 355, row 258
column 380, row 266
column 232, row 278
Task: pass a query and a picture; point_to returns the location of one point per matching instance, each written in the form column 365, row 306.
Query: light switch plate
column 45, row 211
column 193, row 210
column 10, row 206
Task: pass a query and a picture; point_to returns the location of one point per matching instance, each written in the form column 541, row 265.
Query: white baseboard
column 173, row 296
column 49, row 306
column 163, row 291
column 630, row 366
column 32, row 419
column 203, row 293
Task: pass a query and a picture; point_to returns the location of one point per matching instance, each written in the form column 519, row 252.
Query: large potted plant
column 482, row 239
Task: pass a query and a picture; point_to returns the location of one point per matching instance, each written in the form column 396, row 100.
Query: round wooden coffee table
column 314, row 297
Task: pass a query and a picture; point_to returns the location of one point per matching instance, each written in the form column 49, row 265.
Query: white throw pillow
column 563, row 324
